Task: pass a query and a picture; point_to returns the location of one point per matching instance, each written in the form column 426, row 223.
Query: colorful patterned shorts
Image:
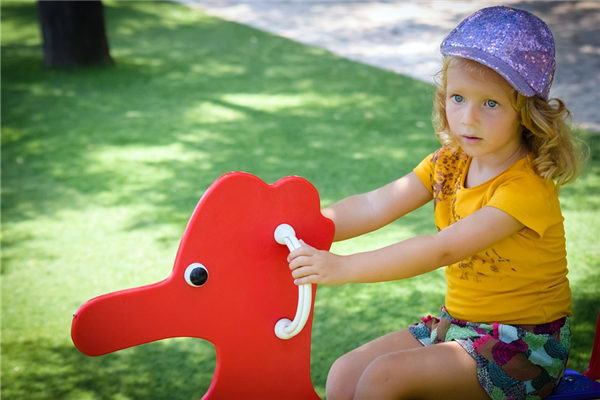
column 513, row 361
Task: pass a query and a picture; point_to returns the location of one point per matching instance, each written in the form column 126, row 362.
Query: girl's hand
column 310, row 265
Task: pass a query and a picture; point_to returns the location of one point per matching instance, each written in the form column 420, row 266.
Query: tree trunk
column 73, row 33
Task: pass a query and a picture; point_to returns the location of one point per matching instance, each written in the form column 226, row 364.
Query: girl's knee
column 340, row 384
column 375, row 375
column 384, row 379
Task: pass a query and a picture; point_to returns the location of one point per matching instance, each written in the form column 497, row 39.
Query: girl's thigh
column 347, row 370
column 398, row 366
column 441, row 371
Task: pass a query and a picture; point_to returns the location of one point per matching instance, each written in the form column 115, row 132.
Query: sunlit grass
column 102, row 167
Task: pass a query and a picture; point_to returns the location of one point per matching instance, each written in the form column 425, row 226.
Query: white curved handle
column 284, row 328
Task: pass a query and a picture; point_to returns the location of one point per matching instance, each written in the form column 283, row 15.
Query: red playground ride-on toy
column 231, row 285
column 230, row 268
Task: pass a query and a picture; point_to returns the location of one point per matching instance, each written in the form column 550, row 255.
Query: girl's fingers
column 303, row 272
column 305, row 275
column 299, row 261
column 307, row 266
column 305, row 280
column 304, row 250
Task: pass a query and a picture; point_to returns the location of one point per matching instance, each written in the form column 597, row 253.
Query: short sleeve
column 533, row 201
column 424, row 171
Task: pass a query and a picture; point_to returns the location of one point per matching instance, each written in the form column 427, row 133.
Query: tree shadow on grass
column 182, row 105
column 170, row 369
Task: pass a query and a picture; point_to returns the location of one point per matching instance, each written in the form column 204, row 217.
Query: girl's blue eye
column 458, row 98
column 491, row 103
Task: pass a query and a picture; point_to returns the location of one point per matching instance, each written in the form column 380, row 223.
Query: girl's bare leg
column 397, row 366
column 347, row 370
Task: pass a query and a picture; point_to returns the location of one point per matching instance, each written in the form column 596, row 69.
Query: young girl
column 504, row 329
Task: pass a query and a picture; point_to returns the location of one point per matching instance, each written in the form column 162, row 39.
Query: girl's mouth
column 471, row 139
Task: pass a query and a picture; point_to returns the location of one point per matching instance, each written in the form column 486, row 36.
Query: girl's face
column 480, row 112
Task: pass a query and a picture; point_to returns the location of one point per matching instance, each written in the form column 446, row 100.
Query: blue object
column 575, row 386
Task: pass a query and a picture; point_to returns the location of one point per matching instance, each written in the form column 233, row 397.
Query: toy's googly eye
column 196, row 275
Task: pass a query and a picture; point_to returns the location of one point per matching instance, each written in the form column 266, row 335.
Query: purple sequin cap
column 514, row 43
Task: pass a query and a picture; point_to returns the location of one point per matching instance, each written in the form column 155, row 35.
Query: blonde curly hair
column 547, row 133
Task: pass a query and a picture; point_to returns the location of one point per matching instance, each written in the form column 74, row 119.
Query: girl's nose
column 470, row 114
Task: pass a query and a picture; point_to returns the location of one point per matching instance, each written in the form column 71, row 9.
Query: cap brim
column 496, row 64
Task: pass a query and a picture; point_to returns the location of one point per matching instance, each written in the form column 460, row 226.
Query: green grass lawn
column 102, row 167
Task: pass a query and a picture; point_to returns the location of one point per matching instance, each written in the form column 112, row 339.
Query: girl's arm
column 362, row 213
column 408, row 258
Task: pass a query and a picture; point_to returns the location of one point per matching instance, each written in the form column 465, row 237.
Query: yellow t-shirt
column 521, row 279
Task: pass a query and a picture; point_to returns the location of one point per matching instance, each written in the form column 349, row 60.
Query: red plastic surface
column 248, row 290
column 593, row 369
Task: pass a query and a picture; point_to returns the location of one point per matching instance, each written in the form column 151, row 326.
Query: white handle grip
column 284, row 328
